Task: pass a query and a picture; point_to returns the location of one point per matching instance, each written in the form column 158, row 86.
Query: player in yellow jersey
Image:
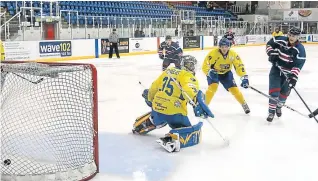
column 217, row 67
column 277, row 32
column 168, row 97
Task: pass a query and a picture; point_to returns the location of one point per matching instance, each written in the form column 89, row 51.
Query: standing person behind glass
column 113, row 43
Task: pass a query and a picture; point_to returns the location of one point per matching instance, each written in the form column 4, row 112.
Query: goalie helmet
column 189, row 63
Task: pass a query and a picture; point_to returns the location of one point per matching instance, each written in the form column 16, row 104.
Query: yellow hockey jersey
column 166, row 96
column 274, row 34
column 222, row 65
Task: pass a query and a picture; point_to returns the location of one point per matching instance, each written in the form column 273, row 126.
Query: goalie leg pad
column 187, row 136
column 145, row 123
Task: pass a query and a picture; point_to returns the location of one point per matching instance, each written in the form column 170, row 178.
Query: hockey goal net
column 49, row 121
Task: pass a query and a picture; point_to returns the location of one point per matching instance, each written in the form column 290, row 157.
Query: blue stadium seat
column 142, row 9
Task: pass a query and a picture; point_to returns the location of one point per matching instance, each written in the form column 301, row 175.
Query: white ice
column 287, row 149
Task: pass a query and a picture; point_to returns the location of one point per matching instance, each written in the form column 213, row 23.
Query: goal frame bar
column 95, row 105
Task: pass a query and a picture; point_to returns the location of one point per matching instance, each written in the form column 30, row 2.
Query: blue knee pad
column 189, row 136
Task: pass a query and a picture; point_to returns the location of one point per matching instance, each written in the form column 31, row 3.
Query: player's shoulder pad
column 300, row 46
column 187, row 74
column 213, row 51
column 174, row 44
column 232, row 52
column 300, row 50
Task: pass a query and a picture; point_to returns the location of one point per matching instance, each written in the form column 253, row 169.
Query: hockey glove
column 161, row 56
column 292, row 80
column 145, row 96
column 201, row 109
column 273, row 56
column 245, row 82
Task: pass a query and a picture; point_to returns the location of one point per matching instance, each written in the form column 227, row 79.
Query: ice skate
column 278, row 111
column 270, row 117
column 170, row 142
column 246, row 108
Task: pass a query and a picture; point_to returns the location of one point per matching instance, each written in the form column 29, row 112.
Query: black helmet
column 294, row 31
column 168, row 37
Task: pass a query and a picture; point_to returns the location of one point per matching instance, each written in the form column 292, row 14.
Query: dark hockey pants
column 278, row 88
column 112, row 46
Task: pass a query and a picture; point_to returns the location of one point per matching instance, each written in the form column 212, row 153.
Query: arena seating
column 138, row 9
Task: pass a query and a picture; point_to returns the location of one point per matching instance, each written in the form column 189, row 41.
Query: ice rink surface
column 287, row 149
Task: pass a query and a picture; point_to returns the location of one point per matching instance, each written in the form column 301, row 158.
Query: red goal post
column 49, row 121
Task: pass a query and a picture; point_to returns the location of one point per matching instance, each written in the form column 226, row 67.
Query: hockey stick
column 279, row 102
column 226, row 141
column 312, row 114
column 33, row 82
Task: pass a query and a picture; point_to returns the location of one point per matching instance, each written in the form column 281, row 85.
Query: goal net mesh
column 48, row 122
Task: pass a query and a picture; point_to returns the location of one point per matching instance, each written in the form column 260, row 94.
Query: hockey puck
column 6, row 162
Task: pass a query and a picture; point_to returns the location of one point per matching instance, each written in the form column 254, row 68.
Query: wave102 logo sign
column 55, row 49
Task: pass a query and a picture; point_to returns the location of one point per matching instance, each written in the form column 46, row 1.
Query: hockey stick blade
column 302, row 100
column 315, row 113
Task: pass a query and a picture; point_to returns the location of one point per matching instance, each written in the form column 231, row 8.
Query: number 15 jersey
column 165, row 94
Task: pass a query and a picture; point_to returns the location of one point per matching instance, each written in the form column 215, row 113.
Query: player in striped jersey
column 290, row 55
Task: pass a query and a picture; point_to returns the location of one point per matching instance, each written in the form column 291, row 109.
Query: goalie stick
column 311, row 113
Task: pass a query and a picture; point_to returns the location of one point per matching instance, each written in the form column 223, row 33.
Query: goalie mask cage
column 49, row 121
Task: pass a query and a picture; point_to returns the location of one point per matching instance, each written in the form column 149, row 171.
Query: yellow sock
column 210, row 92
column 237, row 94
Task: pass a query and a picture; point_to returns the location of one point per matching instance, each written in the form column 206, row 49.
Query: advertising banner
column 55, row 49
column 20, row 50
column 240, row 40
column 191, row 42
column 123, row 46
column 315, row 38
column 303, row 38
column 301, row 15
column 142, row 44
column 256, row 39
column 290, row 15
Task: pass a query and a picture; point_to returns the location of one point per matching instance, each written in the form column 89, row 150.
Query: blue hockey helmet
column 224, row 42
column 294, row 31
